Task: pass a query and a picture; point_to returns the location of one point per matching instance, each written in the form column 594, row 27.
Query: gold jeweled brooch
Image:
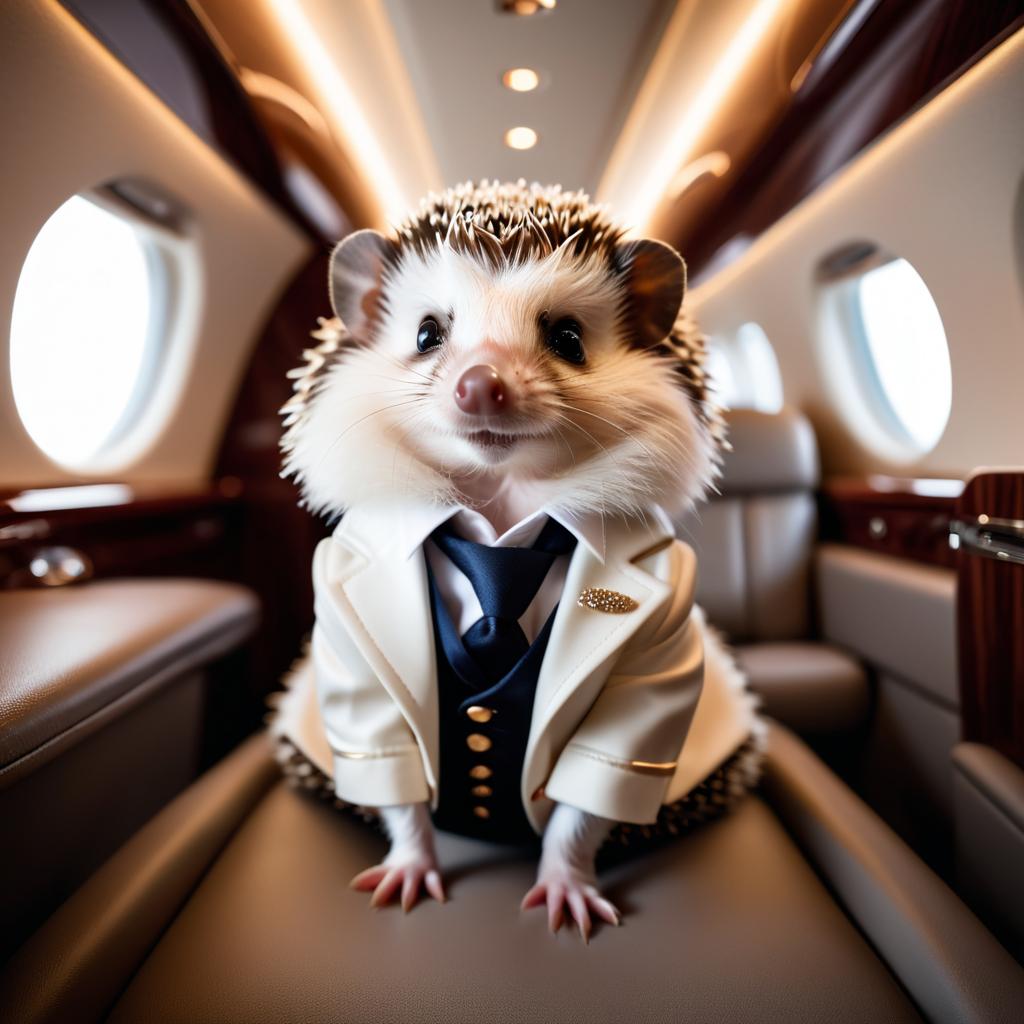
column 610, row 601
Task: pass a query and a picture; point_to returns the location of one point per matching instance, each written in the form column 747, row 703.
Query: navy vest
column 483, row 735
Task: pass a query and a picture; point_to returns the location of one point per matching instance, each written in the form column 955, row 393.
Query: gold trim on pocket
column 640, row 767
column 362, row 755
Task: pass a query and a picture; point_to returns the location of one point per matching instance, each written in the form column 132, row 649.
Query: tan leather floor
column 728, row 925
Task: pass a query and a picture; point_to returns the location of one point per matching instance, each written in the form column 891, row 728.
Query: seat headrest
column 774, row 451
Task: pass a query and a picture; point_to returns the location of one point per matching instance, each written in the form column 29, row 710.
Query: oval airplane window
column 762, row 368
column 903, row 345
column 744, row 371
column 719, row 371
column 81, row 331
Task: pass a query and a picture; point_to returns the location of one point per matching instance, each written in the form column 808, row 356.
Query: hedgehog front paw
column 402, row 872
column 561, row 884
column 411, row 862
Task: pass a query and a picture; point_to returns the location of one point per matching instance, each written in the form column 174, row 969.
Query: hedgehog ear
column 655, row 277
column 355, row 280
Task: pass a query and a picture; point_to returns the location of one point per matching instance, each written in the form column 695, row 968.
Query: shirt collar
column 404, row 527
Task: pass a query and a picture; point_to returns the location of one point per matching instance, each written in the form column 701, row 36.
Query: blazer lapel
column 583, row 639
column 383, row 600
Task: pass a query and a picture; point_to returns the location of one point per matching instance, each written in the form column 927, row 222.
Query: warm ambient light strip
column 266, row 87
column 716, row 163
column 699, row 112
column 343, row 107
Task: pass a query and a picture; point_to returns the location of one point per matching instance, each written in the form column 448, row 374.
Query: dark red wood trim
column 278, row 538
column 990, row 622
column 905, row 53
column 165, row 45
column 80, row 502
column 904, row 518
column 144, row 532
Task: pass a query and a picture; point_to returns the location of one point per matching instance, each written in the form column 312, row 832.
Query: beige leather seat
column 102, row 688
column 988, row 801
column 233, row 905
column 754, row 542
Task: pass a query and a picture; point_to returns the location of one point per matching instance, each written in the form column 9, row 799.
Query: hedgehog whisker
column 572, row 423
column 616, row 426
column 395, row 361
column 363, row 419
column 397, row 380
column 561, row 437
column 400, row 449
column 395, row 392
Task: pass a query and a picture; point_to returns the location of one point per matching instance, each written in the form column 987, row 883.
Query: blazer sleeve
column 619, row 762
column 377, row 761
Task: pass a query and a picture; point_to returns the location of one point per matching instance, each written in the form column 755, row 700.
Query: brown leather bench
column 233, row 905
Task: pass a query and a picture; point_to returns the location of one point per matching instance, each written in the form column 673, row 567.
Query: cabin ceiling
column 591, row 59
column 617, row 82
column 697, row 121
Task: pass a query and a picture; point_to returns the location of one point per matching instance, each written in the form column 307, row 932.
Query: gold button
column 477, row 742
column 481, row 812
column 480, row 771
column 479, row 714
column 481, row 791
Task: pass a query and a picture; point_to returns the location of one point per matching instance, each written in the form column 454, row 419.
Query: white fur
column 618, row 435
column 574, row 836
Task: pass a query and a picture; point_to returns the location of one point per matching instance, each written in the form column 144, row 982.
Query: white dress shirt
column 457, row 592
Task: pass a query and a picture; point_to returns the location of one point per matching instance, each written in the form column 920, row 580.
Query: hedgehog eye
column 565, row 339
column 429, row 335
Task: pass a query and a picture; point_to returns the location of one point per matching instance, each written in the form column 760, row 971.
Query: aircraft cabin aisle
column 538, row 465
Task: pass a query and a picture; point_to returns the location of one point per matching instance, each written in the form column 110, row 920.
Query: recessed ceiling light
column 520, row 79
column 525, row 8
column 520, row 138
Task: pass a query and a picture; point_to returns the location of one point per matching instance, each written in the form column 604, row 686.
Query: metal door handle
column 989, row 536
column 59, row 566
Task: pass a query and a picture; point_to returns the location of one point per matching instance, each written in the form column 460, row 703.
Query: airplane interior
column 844, row 180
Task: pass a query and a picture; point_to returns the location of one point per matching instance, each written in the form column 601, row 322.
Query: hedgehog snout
column 481, row 391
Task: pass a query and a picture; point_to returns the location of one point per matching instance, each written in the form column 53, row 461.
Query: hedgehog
column 506, row 369
column 508, row 230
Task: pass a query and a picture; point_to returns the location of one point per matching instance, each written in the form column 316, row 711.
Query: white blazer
column 625, row 716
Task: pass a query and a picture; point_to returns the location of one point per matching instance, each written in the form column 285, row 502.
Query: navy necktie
column 505, row 581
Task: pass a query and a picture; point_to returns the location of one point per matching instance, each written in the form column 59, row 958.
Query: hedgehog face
column 508, row 353
column 476, row 361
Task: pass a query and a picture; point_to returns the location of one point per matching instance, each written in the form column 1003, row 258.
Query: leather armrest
column 87, row 951
column 988, row 801
column 951, row 965
column 815, row 688
column 75, row 657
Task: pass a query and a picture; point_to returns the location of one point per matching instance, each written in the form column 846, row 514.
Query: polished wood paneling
column 905, row 518
column 990, row 617
column 277, row 537
column 188, row 59
column 252, row 35
column 905, row 52
column 145, row 533
column 250, row 446
column 167, row 47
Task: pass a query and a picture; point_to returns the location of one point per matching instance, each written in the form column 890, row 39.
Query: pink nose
column 481, row 392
